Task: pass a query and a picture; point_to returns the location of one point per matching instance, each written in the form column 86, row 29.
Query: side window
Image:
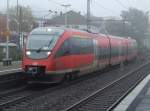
column 103, row 52
column 64, row 49
column 81, row 45
column 76, row 46
column 99, row 52
column 114, row 51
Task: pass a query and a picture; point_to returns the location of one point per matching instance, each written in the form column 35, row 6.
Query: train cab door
column 63, row 60
column 95, row 42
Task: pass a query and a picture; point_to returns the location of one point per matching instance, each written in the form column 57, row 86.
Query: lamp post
column 88, row 15
column 66, row 6
column 17, row 20
column 7, row 38
column 7, row 60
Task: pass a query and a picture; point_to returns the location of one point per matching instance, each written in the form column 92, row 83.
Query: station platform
column 138, row 99
column 14, row 67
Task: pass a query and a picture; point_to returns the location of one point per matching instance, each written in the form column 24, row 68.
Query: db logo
column 35, row 63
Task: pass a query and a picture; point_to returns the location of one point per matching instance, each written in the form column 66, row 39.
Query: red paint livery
column 53, row 53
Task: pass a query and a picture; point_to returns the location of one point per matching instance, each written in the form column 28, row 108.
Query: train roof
column 60, row 30
column 46, row 30
column 40, row 30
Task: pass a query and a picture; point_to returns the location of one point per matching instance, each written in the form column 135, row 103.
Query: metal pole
column 66, row 6
column 17, row 8
column 20, row 25
column 44, row 18
column 7, row 38
column 66, row 18
column 17, row 21
column 88, row 15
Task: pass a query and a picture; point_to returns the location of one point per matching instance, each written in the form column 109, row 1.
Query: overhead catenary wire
column 60, row 4
column 121, row 4
column 101, row 6
column 128, row 2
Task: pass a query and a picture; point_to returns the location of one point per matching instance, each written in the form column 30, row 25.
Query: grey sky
column 101, row 8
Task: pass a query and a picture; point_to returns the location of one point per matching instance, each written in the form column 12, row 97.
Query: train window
column 107, row 52
column 124, row 51
column 99, row 52
column 103, row 52
column 76, row 46
column 112, row 51
column 81, row 45
column 115, row 51
column 64, row 49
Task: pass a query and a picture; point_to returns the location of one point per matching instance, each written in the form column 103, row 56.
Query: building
column 146, row 41
column 3, row 24
column 13, row 50
column 14, row 38
column 74, row 20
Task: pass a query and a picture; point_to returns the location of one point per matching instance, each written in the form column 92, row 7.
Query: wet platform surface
column 15, row 66
column 138, row 99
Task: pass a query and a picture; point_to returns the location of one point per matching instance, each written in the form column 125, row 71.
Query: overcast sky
column 101, row 8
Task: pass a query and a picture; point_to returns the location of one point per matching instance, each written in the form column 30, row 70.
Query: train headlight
column 48, row 53
column 28, row 52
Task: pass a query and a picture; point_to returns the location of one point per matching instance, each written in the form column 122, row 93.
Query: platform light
column 28, row 53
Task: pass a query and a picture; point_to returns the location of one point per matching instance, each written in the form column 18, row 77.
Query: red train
column 52, row 53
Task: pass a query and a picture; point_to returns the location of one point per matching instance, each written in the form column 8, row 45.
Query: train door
column 120, row 51
column 95, row 42
column 63, row 58
column 100, row 54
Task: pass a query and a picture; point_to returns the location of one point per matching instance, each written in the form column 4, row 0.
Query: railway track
column 10, row 79
column 11, row 83
column 27, row 95
column 11, row 96
column 16, row 96
column 106, row 98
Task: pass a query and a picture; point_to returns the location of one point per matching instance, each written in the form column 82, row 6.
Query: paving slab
column 138, row 99
column 16, row 66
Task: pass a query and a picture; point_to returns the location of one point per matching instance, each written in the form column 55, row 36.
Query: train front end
column 38, row 55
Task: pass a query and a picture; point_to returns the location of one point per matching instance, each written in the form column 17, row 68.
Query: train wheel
column 68, row 77
column 71, row 76
column 75, row 76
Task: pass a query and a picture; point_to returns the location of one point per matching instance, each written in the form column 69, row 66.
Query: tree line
column 134, row 23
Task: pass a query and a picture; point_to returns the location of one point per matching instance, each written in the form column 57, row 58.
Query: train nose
column 35, row 70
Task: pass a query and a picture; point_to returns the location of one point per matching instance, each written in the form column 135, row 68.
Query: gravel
column 64, row 97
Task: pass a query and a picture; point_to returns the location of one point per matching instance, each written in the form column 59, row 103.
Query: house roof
column 72, row 18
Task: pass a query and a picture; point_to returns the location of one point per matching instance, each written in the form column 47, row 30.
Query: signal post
column 7, row 60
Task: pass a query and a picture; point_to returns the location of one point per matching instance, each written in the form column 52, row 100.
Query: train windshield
column 43, row 41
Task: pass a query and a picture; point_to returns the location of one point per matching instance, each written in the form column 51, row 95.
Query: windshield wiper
column 39, row 50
